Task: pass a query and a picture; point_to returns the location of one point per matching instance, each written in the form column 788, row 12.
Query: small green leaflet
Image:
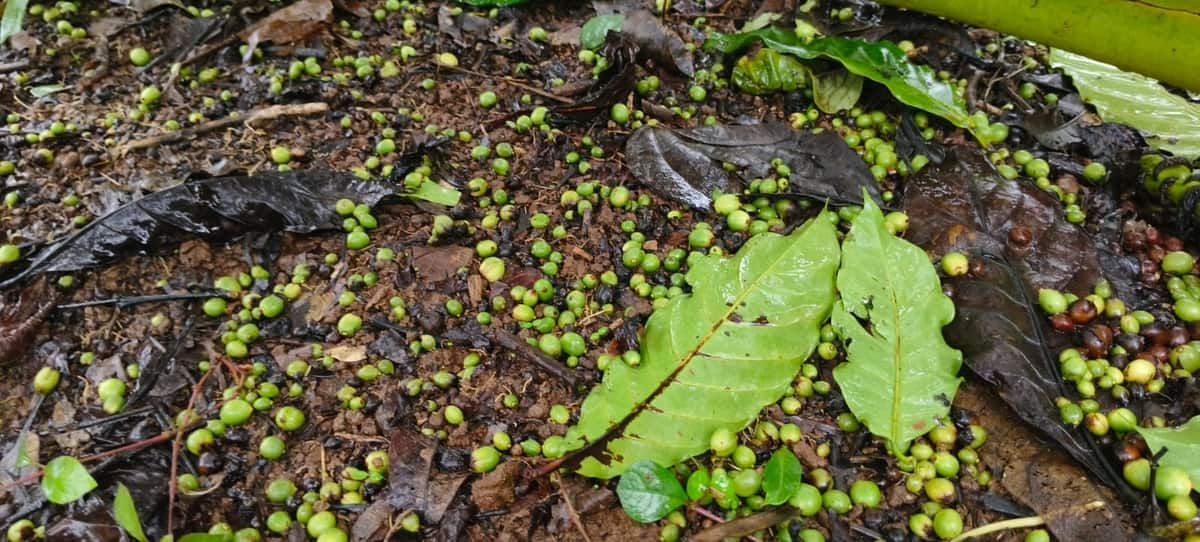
column 1170, row 122
column 591, row 36
column 45, row 90
column 713, row 359
column 434, row 192
column 1182, row 444
column 648, row 492
column 781, row 476
column 836, row 90
column 126, row 513
column 900, row 375
column 66, row 480
column 882, row 62
column 14, row 15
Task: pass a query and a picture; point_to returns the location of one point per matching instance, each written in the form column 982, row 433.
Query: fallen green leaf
column 900, row 375
column 14, row 15
column 882, row 62
column 762, row 20
column 1182, row 444
column 836, row 90
column 648, row 492
column 1168, row 121
column 781, row 476
column 46, row 90
column 715, row 358
column 65, row 480
column 768, row 71
column 126, row 513
column 434, row 192
column 591, row 36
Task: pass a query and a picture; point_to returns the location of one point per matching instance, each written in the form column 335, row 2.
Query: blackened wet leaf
column 613, row 85
column 964, row 205
column 654, row 39
column 1056, row 130
column 769, row 71
column 217, row 208
column 686, row 165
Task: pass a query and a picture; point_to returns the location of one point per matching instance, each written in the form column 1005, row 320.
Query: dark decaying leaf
column 655, row 40
column 217, row 208
column 686, row 165
column 1057, row 129
column 613, row 85
column 964, row 205
column 413, row 484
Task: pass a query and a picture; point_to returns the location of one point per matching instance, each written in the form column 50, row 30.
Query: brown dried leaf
column 289, row 24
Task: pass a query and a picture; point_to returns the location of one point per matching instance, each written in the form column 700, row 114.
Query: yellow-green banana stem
column 1157, row 38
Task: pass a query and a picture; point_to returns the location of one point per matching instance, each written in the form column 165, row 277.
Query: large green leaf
column 66, row 480
column 1182, row 444
column 649, row 492
column 882, row 62
column 126, row 513
column 714, row 358
column 1168, row 121
column 900, row 375
column 836, row 90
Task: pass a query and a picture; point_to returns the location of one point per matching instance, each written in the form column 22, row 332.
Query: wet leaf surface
column 686, row 165
column 769, row 71
column 1170, row 122
column 965, row 206
column 217, row 208
column 649, row 492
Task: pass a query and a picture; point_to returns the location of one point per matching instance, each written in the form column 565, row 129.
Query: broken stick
column 254, row 115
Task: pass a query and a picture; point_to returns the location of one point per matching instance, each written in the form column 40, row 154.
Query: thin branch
column 1026, row 522
column 254, row 115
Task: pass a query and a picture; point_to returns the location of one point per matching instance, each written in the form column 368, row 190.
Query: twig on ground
column 510, row 342
column 125, row 302
column 254, row 115
column 514, row 83
column 562, row 490
column 1021, row 523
